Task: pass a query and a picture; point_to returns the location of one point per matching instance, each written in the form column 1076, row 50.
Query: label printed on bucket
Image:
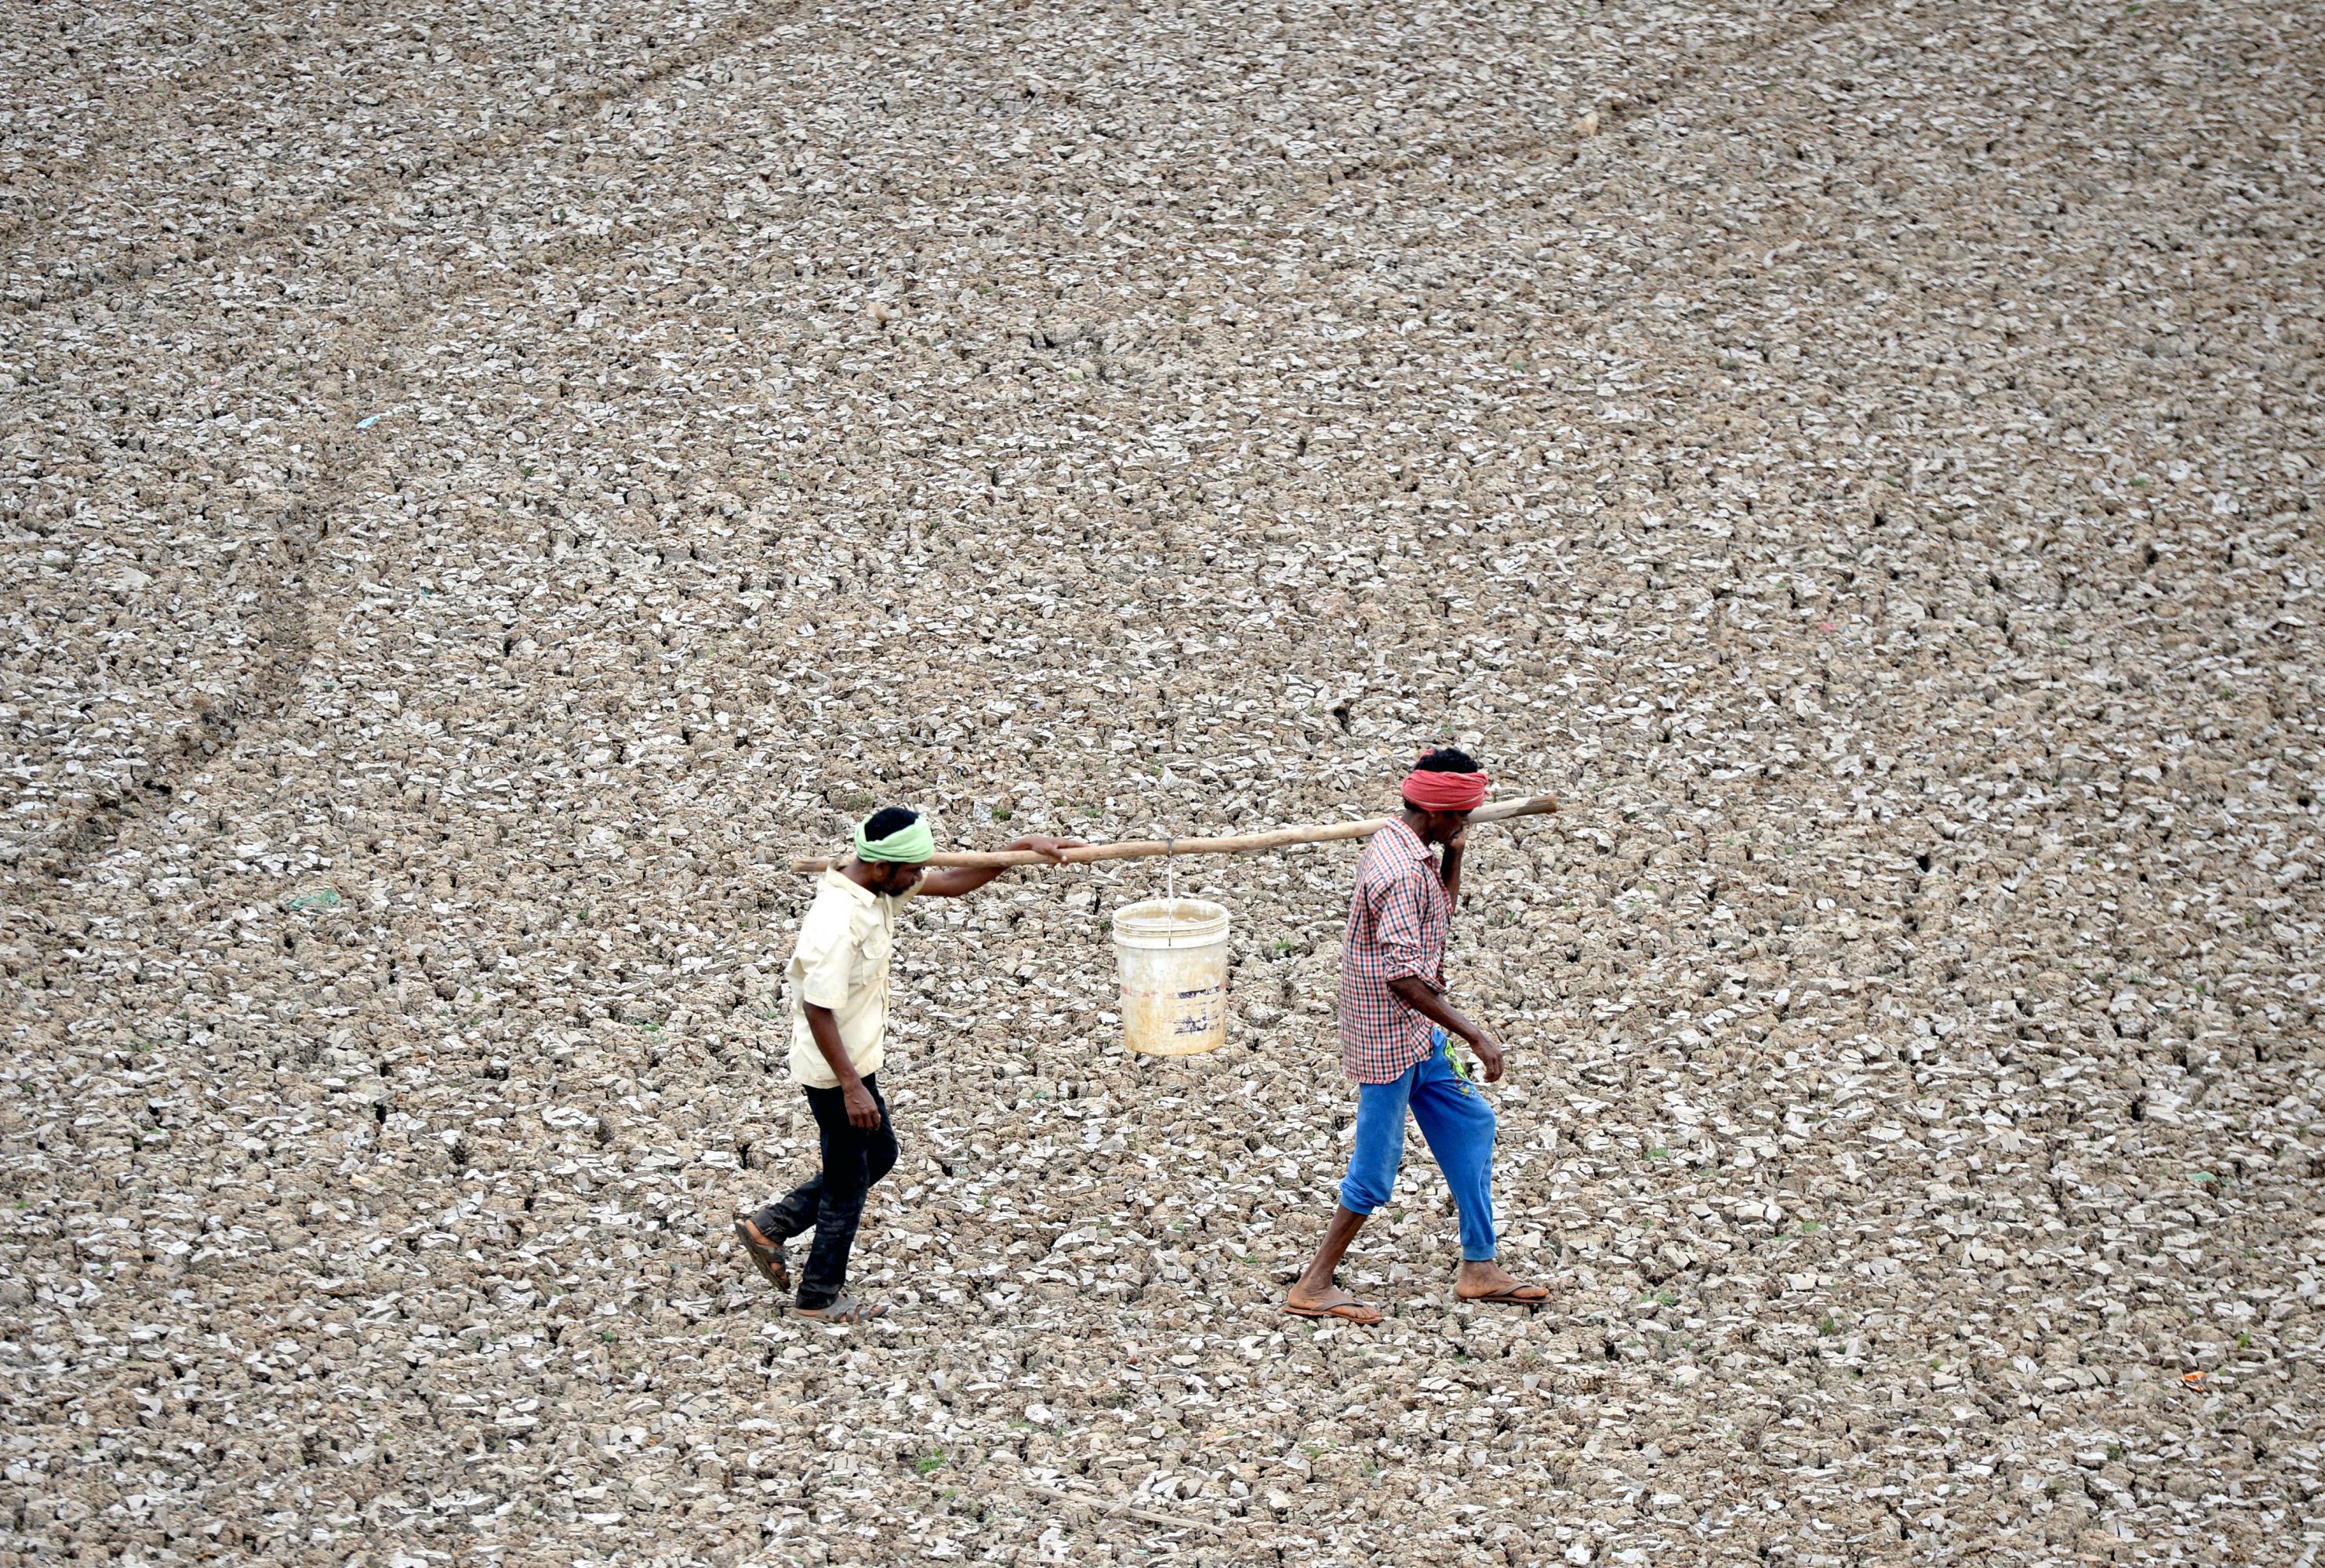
column 1169, row 1011
column 1196, row 1017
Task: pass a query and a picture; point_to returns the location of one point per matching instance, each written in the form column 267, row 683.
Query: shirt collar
column 836, row 878
column 1396, row 833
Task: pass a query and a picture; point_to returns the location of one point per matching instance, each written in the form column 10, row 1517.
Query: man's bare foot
column 1489, row 1281
column 1329, row 1302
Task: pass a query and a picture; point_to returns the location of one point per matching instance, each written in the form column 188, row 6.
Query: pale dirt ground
column 482, row 491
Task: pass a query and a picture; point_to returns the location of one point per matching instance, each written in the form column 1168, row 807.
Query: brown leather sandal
column 768, row 1255
column 844, row 1309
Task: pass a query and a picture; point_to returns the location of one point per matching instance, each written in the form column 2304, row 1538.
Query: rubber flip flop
column 768, row 1256
column 1515, row 1296
column 1356, row 1311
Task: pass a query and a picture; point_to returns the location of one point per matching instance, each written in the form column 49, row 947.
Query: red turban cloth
column 1432, row 791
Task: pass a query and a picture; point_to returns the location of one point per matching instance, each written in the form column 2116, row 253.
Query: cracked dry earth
column 482, row 491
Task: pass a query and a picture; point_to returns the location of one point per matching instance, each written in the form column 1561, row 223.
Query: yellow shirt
column 841, row 963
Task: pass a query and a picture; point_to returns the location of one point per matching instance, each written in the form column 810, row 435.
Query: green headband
column 908, row 845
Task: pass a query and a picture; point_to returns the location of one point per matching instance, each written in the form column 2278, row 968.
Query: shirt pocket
column 871, row 960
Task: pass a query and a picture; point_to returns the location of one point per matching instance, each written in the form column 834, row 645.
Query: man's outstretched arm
column 952, row 882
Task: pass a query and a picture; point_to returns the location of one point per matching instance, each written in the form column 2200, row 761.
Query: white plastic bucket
column 1173, row 955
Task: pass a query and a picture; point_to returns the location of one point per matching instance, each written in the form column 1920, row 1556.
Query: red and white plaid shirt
column 1397, row 926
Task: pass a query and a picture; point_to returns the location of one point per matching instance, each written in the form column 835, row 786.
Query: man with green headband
column 838, row 984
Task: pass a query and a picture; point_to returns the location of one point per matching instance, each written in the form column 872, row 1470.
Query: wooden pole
column 1150, row 848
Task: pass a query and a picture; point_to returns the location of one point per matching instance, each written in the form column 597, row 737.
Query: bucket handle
column 1169, row 870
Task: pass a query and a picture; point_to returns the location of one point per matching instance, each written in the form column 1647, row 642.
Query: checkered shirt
column 1397, row 926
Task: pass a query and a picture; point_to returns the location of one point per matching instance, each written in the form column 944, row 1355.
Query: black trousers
column 831, row 1202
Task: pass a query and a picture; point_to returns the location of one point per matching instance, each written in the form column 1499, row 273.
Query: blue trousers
column 1459, row 1124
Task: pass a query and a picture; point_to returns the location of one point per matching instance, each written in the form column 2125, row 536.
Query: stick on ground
column 1150, row 848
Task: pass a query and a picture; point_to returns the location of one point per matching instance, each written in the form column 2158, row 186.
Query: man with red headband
column 1396, row 1024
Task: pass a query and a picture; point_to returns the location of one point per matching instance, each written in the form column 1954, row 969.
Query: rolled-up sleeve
column 1402, row 927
